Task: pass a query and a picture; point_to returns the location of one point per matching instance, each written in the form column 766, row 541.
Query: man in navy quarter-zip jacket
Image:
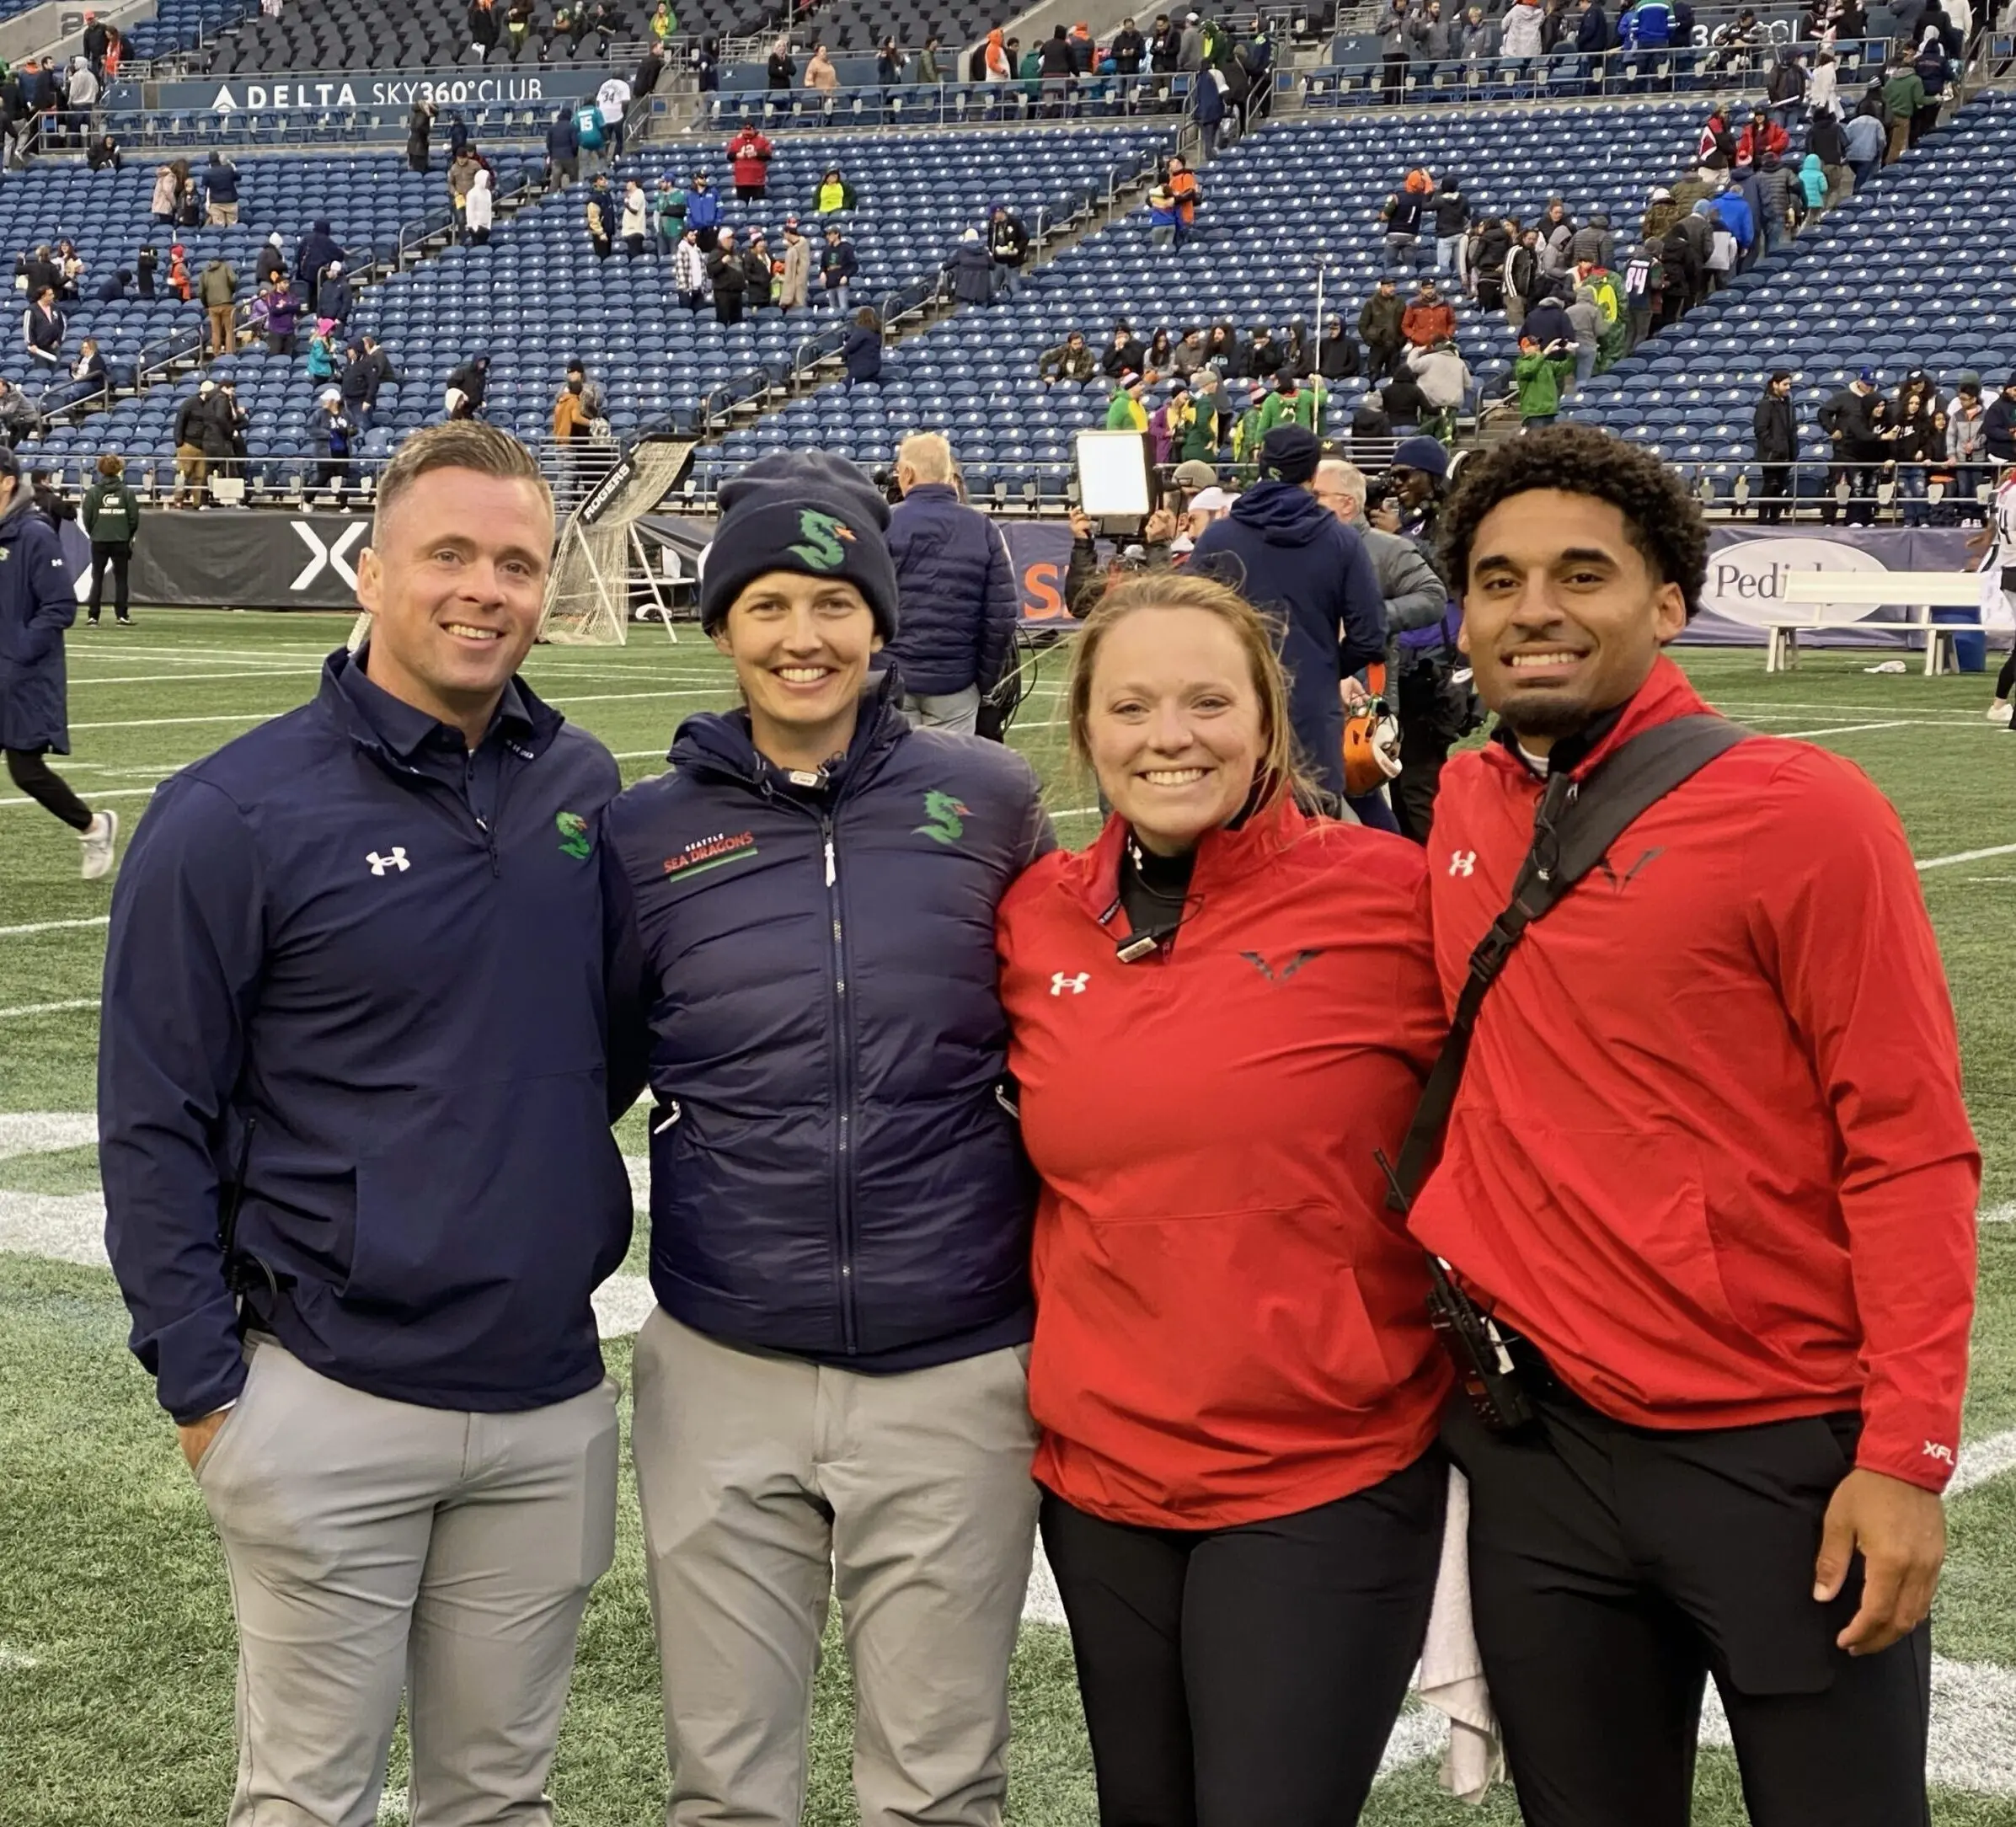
column 831, row 1396
column 355, row 1027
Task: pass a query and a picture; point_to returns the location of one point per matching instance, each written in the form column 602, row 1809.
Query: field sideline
column 116, row 1645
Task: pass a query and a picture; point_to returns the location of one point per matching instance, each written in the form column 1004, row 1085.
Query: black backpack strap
column 1574, row 828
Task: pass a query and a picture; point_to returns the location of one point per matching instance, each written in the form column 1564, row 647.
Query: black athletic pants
column 119, row 555
column 1250, row 1675
column 1613, row 1568
column 32, row 773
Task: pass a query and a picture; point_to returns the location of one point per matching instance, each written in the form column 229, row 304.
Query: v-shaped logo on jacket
column 1619, row 884
column 1286, row 971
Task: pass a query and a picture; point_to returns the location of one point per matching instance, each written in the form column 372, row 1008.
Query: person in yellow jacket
column 834, row 193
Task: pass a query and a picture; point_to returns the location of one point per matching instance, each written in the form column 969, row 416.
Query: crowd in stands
column 1418, row 39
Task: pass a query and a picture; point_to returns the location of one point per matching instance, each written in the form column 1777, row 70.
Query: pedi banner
column 385, row 90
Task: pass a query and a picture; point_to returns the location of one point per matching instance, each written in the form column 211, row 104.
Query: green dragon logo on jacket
column 574, row 840
column 944, row 817
column 822, row 548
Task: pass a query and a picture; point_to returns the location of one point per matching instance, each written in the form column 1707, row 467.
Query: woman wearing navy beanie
column 832, row 1395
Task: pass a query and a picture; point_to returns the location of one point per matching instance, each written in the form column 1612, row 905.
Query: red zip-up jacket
column 1709, row 1153
column 749, row 158
column 1229, row 1325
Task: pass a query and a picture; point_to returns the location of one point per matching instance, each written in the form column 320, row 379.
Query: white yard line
column 2002, row 1213
column 1837, row 730
column 163, row 722
column 53, row 926
column 45, row 1132
column 1981, row 1460
column 13, row 1660
column 1965, row 856
column 66, row 1227
column 93, row 793
column 47, row 1008
column 186, row 678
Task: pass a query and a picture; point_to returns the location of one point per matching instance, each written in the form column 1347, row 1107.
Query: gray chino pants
column 374, row 1548
column 769, row 1482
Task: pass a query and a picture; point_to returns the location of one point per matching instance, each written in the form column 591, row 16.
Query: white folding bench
column 1925, row 590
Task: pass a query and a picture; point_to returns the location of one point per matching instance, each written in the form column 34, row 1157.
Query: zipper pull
column 829, row 859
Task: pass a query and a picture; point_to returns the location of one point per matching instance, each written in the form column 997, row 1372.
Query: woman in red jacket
column 1219, row 1014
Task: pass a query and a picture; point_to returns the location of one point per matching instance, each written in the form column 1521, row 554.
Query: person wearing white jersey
column 613, row 99
column 1996, row 547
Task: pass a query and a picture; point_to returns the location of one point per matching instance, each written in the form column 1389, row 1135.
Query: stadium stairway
column 1299, row 194
column 1910, row 272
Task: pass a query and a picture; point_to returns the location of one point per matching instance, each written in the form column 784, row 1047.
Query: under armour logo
column 1462, row 862
column 1934, row 1449
column 328, row 557
column 397, row 860
column 1059, row 983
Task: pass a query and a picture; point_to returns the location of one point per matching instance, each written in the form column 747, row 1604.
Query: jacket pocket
column 1234, row 1327
column 1609, row 1226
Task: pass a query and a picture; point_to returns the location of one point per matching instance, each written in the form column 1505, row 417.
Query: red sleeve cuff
column 1925, row 1456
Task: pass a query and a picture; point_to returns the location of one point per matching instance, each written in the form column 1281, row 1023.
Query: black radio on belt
column 1472, row 1337
column 1574, row 826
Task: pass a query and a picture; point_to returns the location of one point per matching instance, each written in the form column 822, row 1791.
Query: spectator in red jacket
column 749, row 162
column 1710, row 1164
column 1763, row 134
column 1232, row 1369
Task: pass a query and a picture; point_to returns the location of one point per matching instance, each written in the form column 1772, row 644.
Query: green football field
column 116, row 1656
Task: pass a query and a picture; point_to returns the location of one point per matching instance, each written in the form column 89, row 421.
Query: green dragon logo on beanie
column 823, row 534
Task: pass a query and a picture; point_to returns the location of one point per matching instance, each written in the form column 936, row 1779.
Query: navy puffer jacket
column 833, row 1175
column 957, row 603
column 37, row 600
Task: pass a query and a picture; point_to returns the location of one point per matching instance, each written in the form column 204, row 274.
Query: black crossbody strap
column 1574, row 827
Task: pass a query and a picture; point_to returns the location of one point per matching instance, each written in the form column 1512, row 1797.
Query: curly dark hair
column 1664, row 520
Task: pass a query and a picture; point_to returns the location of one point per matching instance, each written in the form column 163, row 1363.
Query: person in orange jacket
column 1709, row 1168
column 1217, row 1015
column 1429, row 319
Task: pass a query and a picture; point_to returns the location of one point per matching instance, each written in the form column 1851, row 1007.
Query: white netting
column 588, row 594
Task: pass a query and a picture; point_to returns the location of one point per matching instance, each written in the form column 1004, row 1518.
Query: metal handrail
column 950, row 104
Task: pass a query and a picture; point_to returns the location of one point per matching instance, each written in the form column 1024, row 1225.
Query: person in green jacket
column 110, row 516
column 1539, row 373
column 1126, row 413
column 669, row 214
column 1294, row 404
column 1903, row 95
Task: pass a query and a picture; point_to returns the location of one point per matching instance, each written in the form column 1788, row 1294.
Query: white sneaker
column 2000, row 711
column 99, row 843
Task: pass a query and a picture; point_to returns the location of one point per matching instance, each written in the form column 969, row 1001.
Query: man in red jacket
column 749, row 164
column 1710, row 1166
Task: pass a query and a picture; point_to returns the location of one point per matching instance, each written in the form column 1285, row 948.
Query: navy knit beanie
column 804, row 512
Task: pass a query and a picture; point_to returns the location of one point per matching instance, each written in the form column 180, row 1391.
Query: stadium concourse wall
column 249, row 559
